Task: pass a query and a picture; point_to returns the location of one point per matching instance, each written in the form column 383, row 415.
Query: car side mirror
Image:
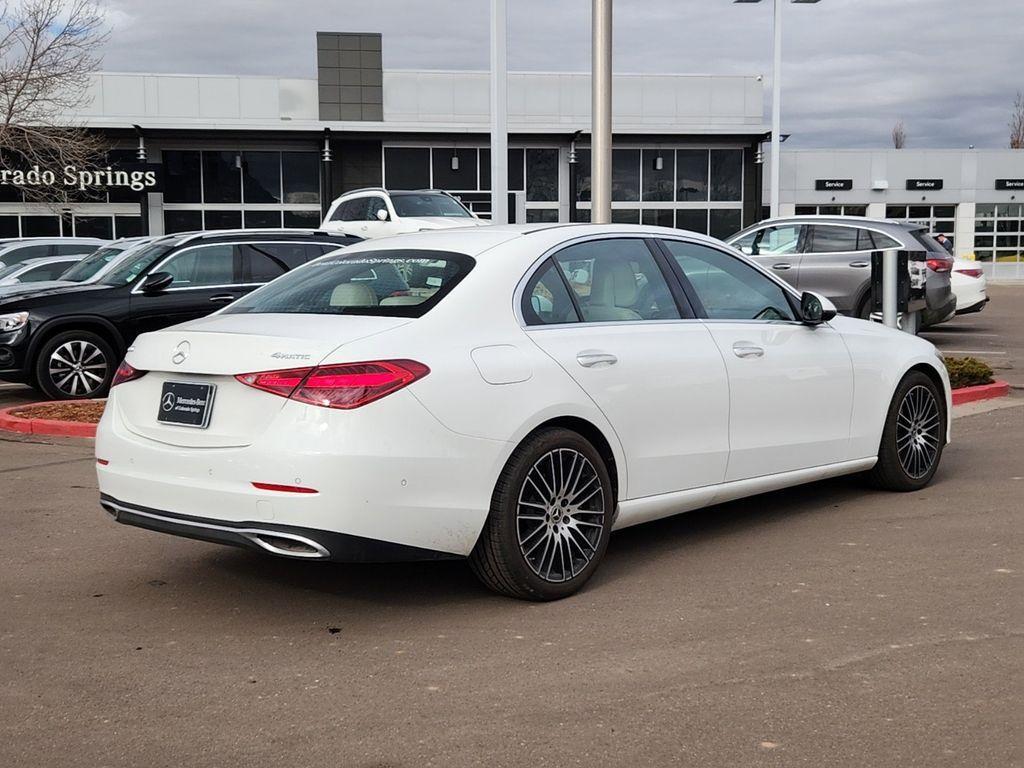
column 815, row 308
column 156, row 282
column 382, row 214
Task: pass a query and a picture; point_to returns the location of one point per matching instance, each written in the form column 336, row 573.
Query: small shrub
column 967, row 372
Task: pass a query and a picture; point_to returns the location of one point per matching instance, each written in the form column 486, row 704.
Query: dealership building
column 245, row 151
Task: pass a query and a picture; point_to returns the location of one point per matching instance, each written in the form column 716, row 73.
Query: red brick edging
column 981, row 392
column 50, row 427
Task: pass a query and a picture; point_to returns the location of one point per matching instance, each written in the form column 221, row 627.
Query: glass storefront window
column 261, row 177
column 659, row 217
column 692, row 184
column 302, row 219
column 40, row 226
column 406, row 167
column 726, row 175
column 725, row 222
column 221, row 177
column 582, row 175
column 692, row 219
column 462, row 178
column 542, row 175
column 9, row 226
column 658, row 185
column 262, row 219
column 625, row 215
column 222, row 220
column 127, row 226
column 94, row 226
column 182, row 221
column 626, row 175
column 541, row 215
column 182, row 177
column 301, row 178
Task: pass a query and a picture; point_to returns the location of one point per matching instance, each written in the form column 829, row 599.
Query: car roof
column 305, row 235
column 829, row 219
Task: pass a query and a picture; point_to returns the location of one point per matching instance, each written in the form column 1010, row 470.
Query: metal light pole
column 776, row 145
column 499, row 113
column 601, row 113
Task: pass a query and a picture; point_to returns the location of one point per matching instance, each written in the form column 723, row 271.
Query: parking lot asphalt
column 827, row 625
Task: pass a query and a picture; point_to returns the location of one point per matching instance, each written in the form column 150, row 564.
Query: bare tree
column 899, row 135
column 1017, row 123
column 48, row 48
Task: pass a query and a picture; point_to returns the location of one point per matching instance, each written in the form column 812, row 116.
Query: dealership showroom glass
column 246, row 151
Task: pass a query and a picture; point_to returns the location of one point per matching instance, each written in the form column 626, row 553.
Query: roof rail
column 210, row 233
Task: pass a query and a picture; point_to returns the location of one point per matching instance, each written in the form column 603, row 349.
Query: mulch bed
column 86, row 411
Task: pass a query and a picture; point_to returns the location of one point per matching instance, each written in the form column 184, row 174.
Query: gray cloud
column 948, row 68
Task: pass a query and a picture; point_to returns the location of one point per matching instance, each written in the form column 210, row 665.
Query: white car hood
column 415, row 224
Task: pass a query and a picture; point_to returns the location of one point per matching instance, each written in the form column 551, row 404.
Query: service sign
column 828, row 185
column 137, row 177
column 924, row 184
column 1010, row 184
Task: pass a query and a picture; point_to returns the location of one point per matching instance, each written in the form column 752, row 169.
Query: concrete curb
column 48, row 427
column 981, row 392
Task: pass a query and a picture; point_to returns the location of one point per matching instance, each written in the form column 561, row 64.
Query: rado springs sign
column 138, row 177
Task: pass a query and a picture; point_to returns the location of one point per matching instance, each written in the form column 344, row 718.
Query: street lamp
column 776, row 99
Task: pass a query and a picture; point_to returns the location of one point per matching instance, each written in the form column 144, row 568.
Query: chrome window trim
column 849, row 225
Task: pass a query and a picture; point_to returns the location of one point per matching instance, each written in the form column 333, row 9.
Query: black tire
column 864, row 308
column 573, row 520
column 75, row 365
column 914, row 436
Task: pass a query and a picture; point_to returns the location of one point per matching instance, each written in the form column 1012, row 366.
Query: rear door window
column 396, row 283
column 832, row 239
column 203, row 266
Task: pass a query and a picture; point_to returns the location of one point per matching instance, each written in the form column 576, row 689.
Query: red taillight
column 345, row 386
column 283, row 488
column 126, row 373
column 940, row 265
column 102, row 462
column 970, row 272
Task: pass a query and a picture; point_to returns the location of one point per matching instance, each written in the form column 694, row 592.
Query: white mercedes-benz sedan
column 510, row 394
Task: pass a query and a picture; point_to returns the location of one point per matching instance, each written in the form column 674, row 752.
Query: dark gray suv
column 832, row 256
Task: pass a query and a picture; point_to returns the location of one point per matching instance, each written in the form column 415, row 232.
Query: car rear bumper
column 977, row 306
column 281, row 540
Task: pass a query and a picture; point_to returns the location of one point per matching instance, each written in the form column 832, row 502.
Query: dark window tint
column 659, row 184
column 302, row 219
column 8, row 226
column 542, row 175
column 725, row 222
column 128, row 226
column 541, row 215
column 626, row 174
column 617, row 280
column 182, row 177
column 895, row 211
column 424, row 204
column 726, row 175
column 546, row 299
column 262, row 262
column 301, row 177
column 461, row 177
column 729, row 288
column 9, row 194
column 625, row 215
column 222, row 178
column 261, row 177
column 94, row 226
column 398, row 283
column 582, row 176
column 406, row 167
column 693, row 175
column 202, row 266
column 695, row 220
column 865, row 242
column 182, row 221
column 23, row 254
column 223, row 220
column 40, row 226
column 49, row 271
column 262, row 219
column 516, row 165
column 828, row 239
column 884, row 242
column 350, row 210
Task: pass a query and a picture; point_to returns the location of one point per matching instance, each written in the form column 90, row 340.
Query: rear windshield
column 930, row 243
column 413, row 204
column 399, row 283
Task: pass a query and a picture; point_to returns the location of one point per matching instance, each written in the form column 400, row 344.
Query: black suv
column 67, row 340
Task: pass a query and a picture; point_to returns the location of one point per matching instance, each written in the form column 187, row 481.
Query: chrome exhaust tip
column 287, row 544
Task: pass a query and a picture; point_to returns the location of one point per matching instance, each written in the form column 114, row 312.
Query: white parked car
column 969, row 285
column 377, row 212
column 510, row 394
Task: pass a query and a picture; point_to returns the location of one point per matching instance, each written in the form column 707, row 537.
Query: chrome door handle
column 223, row 298
column 860, row 264
column 594, row 359
column 744, row 349
column 782, row 265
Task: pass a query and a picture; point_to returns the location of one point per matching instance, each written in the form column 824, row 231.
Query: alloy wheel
column 560, row 515
column 918, row 430
column 78, row 368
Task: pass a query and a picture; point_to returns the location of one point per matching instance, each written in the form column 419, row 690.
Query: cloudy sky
column 948, row 68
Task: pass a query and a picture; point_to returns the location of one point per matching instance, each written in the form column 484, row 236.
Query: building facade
column 975, row 197
column 264, row 151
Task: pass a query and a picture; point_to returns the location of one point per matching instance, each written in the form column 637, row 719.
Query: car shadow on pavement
column 429, row 584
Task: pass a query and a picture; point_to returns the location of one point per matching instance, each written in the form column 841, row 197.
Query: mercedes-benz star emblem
column 180, row 354
column 169, row 401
